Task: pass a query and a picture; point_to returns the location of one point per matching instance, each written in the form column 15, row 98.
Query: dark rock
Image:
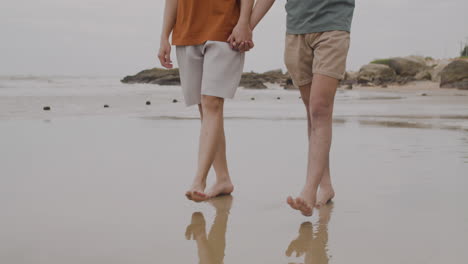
column 106, row 106
column 278, row 98
column 148, row 103
column 288, row 84
column 424, row 94
column 249, row 80
column 252, row 80
column 253, row 98
column 175, row 101
column 376, row 74
column 455, row 75
column 155, row 76
column 46, row 108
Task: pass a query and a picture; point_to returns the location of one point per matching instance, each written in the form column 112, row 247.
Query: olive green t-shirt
column 312, row 16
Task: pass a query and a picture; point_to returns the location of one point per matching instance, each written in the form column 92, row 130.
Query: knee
column 320, row 110
column 212, row 103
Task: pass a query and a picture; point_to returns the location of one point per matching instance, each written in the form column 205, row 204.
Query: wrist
column 243, row 22
column 165, row 36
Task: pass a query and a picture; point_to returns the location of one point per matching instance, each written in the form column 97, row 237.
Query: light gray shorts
column 212, row 68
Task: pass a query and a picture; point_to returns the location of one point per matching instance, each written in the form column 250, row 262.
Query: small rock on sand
column 106, row 106
column 148, row 103
column 175, row 101
column 46, row 108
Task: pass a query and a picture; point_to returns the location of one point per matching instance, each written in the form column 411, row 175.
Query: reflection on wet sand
column 313, row 245
column 406, row 124
column 211, row 246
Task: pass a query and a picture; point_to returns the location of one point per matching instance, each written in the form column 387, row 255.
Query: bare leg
column 320, row 110
column 223, row 184
column 210, row 135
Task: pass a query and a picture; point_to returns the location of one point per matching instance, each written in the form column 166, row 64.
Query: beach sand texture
column 86, row 184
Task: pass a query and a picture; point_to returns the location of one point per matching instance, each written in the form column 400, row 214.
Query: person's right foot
column 220, row 188
column 304, row 203
column 324, row 195
column 197, row 193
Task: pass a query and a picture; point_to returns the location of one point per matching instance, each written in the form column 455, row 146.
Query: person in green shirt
column 317, row 43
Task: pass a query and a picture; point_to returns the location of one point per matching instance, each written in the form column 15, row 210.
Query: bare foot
column 324, row 196
column 220, row 188
column 303, row 203
column 197, row 193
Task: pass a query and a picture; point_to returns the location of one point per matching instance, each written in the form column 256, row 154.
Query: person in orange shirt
column 210, row 71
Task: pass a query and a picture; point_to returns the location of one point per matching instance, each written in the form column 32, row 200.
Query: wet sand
column 89, row 186
column 110, row 190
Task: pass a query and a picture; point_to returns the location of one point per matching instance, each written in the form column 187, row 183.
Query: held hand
column 246, row 46
column 240, row 34
column 164, row 54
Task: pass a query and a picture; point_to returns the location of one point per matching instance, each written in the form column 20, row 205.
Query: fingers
column 251, row 44
column 164, row 57
column 242, row 47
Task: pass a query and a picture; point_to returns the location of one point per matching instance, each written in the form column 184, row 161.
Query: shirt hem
column 318, row 30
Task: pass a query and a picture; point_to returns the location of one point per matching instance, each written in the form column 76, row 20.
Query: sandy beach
column 86, row 184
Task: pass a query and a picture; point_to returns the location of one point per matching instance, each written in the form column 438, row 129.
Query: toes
column 199, row 196
column 291, row 202
column 305, row 209
column 188, row 194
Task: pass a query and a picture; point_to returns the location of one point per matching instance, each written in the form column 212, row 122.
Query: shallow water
column 109, row 189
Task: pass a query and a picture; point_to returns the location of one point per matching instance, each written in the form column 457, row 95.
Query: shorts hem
column 217, row 95
column 330, row 74
column 302, row 83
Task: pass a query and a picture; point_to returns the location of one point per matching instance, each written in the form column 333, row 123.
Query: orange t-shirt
column 201, row 20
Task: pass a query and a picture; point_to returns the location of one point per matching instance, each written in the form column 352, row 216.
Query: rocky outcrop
column 250, row 80
column 455, row 75
column 375, row 74
column 437, row 70
column 155, row 76
column 405, row 66
column 350, row 78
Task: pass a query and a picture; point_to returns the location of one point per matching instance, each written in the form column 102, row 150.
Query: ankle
column 223, row 180
column 199, row 182
column 326, row 186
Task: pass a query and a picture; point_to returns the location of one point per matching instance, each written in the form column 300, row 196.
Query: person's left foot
column 196, row 192
column 324, row 195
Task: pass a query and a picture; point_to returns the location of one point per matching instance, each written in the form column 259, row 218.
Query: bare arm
column 259, row 11
column 170, row 14
column 242, row 32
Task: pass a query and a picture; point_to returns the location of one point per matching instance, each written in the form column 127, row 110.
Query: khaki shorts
column 212, row 68
column 322, row 53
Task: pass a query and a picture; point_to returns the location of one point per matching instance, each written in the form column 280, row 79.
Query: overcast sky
column 111, row 37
